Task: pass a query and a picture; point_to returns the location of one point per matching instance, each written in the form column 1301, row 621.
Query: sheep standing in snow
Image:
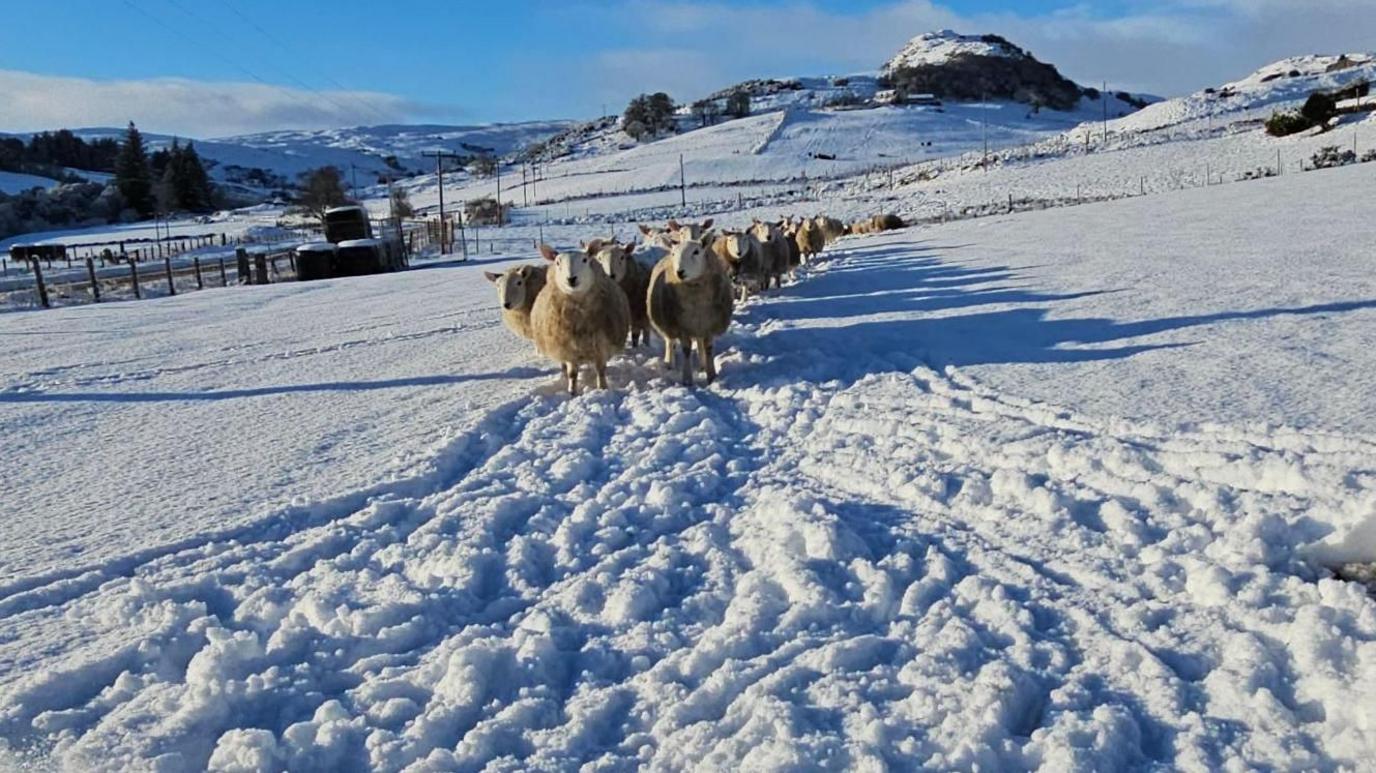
column 619, row 263
column 744, row 259
column 771, row 239
column 877, row 224
column 831, row 228
column 517, row 289
column 809, row 239
column 795, row 253
column 690, row 300
column 582, row 316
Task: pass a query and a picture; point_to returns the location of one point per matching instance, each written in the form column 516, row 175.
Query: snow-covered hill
column 940, row 47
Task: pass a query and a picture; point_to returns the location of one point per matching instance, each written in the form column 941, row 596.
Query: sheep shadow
column 811, row 327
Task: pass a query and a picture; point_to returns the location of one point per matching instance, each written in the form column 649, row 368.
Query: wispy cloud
column 31, row 102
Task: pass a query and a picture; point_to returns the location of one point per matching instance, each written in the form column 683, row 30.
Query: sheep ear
column 593, row 247
column 492, row 277
column 673, row 225
column 707, row 239
column 645, row 229
column 548, row 252
column 707, row 223
column 629, row 248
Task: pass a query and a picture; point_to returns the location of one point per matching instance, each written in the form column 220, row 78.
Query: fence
column 161, row 278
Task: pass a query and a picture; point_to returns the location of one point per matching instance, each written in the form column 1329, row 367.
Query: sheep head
column 613, row 259
column 766, row 233
column 574, row 272
column 513, row 285
column 689, row 259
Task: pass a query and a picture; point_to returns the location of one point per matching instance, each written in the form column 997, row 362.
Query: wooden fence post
column 91, row 272
column 241, row 255
column 224, row 277
column 134, row 275
column 200, row 284
column 42, row 288
column 167, row 266
column 260, row 266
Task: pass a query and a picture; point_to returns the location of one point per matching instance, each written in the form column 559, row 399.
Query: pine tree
column 132, row 175
column 201, row 196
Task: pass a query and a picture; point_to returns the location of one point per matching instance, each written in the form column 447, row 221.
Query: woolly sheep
column 771, row 239
column 795, row 253
column 689, row 231
column 809, row 239
column 582, row 316
column 619, row 263
column 517, row 289
column 831, row 228
column 690, row 300
column 744, row 259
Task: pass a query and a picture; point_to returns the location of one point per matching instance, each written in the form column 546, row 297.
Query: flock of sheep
column 682, row 281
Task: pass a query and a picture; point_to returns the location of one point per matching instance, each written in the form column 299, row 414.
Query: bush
column 1369, row 156
column 649, row 114
column 1330, row 156
column 485, row 165
column 738, row 104
column 1285, row 124
column 485, row 211
column 1319, row 109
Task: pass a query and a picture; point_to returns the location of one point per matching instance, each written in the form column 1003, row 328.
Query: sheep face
column 574, row 272
column 513, row 286
column 689, row 260
column 766, row 233
column 613, row 261
column 737, row 245
column 689, row 231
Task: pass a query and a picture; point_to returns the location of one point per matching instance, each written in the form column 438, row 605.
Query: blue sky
column 216, row 67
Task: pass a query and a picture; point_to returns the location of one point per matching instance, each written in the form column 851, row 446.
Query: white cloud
column 32, row 102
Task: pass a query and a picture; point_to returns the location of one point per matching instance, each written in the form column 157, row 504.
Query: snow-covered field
column 14, row 182
column 1052, row 489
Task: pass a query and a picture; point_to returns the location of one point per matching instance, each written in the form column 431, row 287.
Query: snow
column 14, row 182
column 935, row 48
column 1047, row 490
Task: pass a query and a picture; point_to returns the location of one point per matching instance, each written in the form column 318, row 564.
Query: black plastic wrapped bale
column 344, row 224
column 315, row 261
column 19, row 253
column 358, row 257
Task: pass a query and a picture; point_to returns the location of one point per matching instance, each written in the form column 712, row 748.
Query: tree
column 738, row 104
column 322, row 188
column 1319, row 109
column 401, row 203
column 706, row 111
column 132, row 175
column 649, row 114
column 485, row 165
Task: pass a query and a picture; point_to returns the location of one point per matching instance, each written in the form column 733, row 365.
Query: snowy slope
column 14, row 182
column 947, row 508
column 940, row 47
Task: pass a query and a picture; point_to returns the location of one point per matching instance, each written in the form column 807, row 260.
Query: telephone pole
column 1103, row 95
column 499, row 193
column 682, row 183
column 439, row 156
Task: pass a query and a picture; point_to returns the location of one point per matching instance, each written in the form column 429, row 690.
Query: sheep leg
column 571, row 375
column 687, row 365
column 668, row 353
column 709, row 363
column 601, row 366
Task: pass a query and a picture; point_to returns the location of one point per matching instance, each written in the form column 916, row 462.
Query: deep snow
column 1008, row 493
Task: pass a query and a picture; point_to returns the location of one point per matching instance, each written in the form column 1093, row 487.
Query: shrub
column 738, row 104
column 1369, row 156
column 1319, row 109
column 1285, row 124
column 649, row 114
column 485, row 211
column 1330, row 156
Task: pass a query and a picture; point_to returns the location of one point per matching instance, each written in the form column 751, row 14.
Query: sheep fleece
column 689, row 310
column 592, row 328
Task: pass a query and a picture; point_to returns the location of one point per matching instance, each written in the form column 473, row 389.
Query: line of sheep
column 682, row 281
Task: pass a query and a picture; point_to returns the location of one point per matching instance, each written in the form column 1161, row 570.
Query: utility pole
column 682, row 183
column 525, row 198
column 440, row 155
column 353, row 180
column 499, row 193
column 1103, row 95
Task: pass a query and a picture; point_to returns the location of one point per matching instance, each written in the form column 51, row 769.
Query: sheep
column 877, row 224
column 517, row 289
column 771, row 239
column 831, row 228
column 582, row 316
column 810, row 239
column 619, row 263
column 795, row 253
column 690, row 300
column 744, row 258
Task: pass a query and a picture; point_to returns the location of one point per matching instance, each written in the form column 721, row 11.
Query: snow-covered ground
column 1052, row 489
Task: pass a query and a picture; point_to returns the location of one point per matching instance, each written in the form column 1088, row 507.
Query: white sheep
column 517, row 289
column 690, row 300
column 582, row 316
column 619, row 263
column 745, row 261
column 775, row 251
